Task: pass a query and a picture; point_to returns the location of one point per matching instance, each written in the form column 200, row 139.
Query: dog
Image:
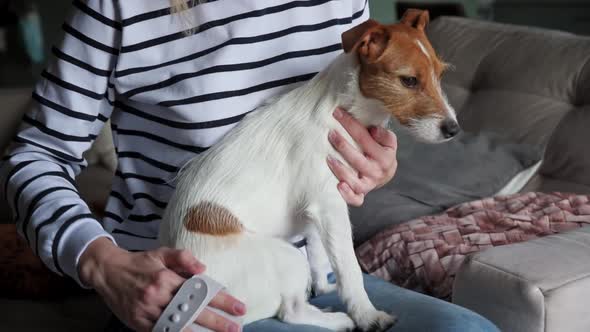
column 236, row 204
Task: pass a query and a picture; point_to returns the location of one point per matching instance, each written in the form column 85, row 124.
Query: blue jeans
column 414, row 311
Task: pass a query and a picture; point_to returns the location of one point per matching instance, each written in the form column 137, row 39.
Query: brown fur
column 212, row 219
column 389, row 52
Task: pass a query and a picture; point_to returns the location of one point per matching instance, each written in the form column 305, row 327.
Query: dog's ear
column 369, row 39
column 416, row 18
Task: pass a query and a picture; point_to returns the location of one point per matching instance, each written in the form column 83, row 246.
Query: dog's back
column 260, row 172
column 243, row 198
column 267, row 180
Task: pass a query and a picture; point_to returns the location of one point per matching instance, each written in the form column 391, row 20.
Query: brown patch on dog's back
column 212, row 219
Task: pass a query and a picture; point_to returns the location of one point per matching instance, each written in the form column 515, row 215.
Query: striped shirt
column 169, row 94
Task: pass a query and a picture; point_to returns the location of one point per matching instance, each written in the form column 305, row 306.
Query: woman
column 173, row 78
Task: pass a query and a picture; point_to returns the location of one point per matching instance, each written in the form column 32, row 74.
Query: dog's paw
column 375, row 321
column 341, row 322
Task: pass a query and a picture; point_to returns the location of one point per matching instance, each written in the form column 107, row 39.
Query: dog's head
column 400, row 68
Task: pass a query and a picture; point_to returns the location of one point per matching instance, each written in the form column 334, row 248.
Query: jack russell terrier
column 267, row 180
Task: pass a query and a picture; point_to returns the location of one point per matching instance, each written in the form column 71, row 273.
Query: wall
column 384, row 10
column 567, row 15
column 53, row 14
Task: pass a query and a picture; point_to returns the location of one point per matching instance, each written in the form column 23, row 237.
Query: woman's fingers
column 180, row 260
column 358, row 132
column 351, row 197
column 216, row 322
column 228, row 303
column 354, row 157
column 345, row 174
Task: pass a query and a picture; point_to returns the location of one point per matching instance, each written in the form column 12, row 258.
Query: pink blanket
column 424, row 254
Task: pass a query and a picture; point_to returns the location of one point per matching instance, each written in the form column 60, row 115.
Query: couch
column 531, row 85
column 527, row 85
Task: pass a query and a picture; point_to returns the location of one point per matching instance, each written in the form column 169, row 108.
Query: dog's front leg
column 334, row 229
column 319, row 263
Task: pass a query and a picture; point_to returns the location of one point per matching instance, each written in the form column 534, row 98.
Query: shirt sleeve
column 70, row 106
column 360, row 11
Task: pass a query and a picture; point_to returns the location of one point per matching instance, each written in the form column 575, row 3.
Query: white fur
column 423, row 49
column 448, row 108
column 270, row 172
column 429, row 129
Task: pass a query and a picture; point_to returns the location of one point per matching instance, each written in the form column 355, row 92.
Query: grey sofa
column 533, row 86
column 527, row 84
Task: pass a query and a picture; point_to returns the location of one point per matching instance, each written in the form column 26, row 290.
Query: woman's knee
column 419, row 312
column 454, row 318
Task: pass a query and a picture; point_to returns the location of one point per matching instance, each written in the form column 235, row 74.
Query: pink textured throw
column 424, row 254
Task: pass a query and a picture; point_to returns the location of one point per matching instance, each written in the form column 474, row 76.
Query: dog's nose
column 450, row 128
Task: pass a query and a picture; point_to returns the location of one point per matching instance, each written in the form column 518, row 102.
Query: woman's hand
column 138, row 286
column 373, row 166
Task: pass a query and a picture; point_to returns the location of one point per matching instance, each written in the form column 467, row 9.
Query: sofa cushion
column 433, row 177
column 568, row 152
column 424, row 254
column 516, row 81
column 547, row 184
column 547, row 289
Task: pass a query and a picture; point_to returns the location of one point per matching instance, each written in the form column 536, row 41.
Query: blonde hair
column 179, row 7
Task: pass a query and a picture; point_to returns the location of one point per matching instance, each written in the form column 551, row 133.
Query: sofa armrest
column 539, row 285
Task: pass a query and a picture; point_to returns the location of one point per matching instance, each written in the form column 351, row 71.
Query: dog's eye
column 409, row 81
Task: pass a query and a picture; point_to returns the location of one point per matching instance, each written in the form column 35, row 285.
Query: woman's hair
column 179, row 7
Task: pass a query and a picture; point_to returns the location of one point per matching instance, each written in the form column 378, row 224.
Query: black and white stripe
column 170, row 95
